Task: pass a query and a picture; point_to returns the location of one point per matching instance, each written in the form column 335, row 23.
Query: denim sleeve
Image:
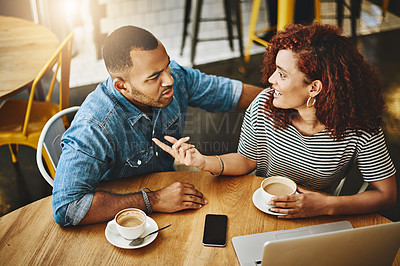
column 209, row 92
column 74, row 186
column 79, row 171
column 237, row 88
column 77, row 209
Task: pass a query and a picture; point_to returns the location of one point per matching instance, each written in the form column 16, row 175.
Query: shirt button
column 139, row 162
column 156, row 153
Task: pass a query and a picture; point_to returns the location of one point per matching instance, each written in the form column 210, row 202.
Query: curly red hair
column 351, row 97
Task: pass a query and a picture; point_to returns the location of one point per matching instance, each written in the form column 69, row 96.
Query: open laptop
column 326, row 244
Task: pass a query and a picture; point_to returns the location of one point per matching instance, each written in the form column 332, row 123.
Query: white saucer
column 260, row 203
column 118, row 241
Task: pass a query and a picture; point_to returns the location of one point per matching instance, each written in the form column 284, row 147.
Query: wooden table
column 25, row 47
column 29, row 235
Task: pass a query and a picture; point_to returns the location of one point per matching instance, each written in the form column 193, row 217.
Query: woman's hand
column 304, row 204
column 182, row 152
column 380, row 195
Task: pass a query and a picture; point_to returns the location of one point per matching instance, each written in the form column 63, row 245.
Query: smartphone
column 215, row 230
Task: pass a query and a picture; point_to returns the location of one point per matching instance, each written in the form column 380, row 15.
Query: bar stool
column 385, row 6
column 355, row 11
column 285, row 17
column 230, row 6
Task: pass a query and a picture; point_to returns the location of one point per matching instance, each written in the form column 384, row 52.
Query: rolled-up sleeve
column 78, row 209
column 82, row 165
column 74, row 186
column 237, row 88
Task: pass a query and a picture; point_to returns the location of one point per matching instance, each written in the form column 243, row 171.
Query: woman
column 320, row 115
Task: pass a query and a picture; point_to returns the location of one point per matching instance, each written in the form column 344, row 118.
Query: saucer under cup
column 117, row 240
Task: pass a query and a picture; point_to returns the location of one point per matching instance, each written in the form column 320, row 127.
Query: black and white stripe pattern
column 317, row 161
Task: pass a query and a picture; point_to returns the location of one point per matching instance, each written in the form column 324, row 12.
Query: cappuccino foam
column 130, row 219
column 278, row 189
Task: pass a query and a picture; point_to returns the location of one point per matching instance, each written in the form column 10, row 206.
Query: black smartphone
column 215, row 230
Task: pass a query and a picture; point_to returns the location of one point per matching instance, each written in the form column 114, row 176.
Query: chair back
column 50, row 138
column 338, row 189
column 59, row 62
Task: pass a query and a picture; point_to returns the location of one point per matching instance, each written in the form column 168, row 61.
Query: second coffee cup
column 277, row 186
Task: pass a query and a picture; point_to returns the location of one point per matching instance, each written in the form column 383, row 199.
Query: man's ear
column 316, row 88
column 119, row 84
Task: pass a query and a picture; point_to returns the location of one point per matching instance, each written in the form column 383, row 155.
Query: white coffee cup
column 277, row 186
column 129, row 223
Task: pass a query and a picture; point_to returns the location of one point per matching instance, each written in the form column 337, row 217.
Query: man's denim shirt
column 110, row 138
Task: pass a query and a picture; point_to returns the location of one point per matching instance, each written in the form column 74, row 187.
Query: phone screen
column 215, row 230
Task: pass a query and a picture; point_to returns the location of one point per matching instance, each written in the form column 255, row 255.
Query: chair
column 355, row 11
column 338, row 189
column 385, row 6
column 50, row 138
column 285, row 16
column 354, row 6
column 21, row 121
column 230, row 6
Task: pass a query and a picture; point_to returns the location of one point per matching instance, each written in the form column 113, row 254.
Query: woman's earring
column 308, row 102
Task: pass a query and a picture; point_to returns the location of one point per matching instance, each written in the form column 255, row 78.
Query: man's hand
column 305, row 204
column 182, row 152
column 177, row 196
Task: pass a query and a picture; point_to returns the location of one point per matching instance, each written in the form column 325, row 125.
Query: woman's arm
column 234, row 163
column 380, row 195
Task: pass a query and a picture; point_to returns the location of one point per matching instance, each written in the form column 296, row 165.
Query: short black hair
column 118, row 45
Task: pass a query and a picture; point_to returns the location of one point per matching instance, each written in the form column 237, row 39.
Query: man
column 145, row 97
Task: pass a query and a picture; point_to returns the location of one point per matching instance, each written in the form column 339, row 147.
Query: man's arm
column 76, row 200
column 212, row 93
column 177, row 196
column 249, row 92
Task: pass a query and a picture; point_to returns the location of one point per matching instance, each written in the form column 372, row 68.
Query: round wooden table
column 29, row 235
column 25, row 47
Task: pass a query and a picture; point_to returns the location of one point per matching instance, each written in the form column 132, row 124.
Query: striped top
column 317, row 161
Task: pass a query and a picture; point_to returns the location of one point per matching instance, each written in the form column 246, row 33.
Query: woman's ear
column 119, row 84
column 316, row 88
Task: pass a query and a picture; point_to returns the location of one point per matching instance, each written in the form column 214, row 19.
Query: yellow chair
column 21, row 121
column 285, row 17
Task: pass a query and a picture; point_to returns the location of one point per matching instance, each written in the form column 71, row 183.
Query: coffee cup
column 129, row 223
column 277, row 186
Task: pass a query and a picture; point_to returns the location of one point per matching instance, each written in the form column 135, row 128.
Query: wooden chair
column 21, row 121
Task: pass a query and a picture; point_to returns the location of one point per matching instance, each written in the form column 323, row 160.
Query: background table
column 25, row 47
column 29, row 235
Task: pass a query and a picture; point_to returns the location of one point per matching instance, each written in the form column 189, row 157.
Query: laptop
column 326, row 244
